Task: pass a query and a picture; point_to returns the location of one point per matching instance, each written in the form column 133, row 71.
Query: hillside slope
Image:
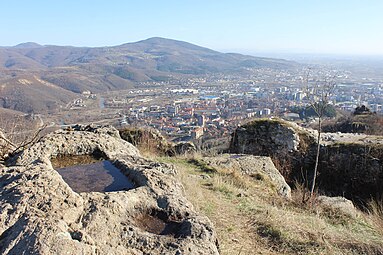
column 101, row 69
column 153, row 54
column 251, row 219
column 28, row 93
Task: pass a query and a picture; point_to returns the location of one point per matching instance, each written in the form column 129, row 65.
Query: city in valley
column 191, row 127
column 212, row 106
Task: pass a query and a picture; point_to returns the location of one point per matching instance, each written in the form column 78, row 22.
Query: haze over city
column 342, row 27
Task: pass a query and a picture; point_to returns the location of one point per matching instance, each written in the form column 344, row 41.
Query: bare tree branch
column 16, row 135
column 318, row 95
column 32, row 141
column 8, row 142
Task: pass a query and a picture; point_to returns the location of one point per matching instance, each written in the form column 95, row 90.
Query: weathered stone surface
column 340, row 204
column 253, row 166
column 146, row 138
column 353, row 170
column 78, row 140
column 153, row 140
column 183, row 148
column 350, row 165
column 41, row 214
column 266, row 137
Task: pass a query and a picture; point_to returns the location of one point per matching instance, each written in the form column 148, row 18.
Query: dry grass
column 251, row 219
column 375, row 209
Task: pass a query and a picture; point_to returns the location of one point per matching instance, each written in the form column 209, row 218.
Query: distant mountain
column 75, row 69
column 28, row 45
column 152, row 56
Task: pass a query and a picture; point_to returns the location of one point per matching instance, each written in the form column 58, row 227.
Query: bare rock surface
column 253, row 166
column 350, row 165
column 362, row 139
column 41, row 214
column 78, row 140
column 274, row 136
column 181, row 148
column 266, row 137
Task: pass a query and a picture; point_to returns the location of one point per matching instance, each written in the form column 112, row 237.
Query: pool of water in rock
column 87, row 174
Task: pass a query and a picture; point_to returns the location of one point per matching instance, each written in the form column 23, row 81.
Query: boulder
column 350, row 165
column 339, row 204
column 147, row 139
column 267, row 137
column 41, row 214
column 255, row 166
column 181, row 148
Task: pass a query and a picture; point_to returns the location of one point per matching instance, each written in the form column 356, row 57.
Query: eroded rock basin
column 41, row 214
column 87, row 174
column 158, row 223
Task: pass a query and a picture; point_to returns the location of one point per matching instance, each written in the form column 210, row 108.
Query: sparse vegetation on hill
column 28, row 94
column 251, row 219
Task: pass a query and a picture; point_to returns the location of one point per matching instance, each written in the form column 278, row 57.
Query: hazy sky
column 318, row 26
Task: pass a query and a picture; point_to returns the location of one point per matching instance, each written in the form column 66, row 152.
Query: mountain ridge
column 100, row 69
column 151, row 45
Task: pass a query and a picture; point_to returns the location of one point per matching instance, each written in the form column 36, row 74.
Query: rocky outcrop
column 152, row 140
column 41, row 214
column 181, row 148
column 267, row 137
column 255, row 166
column 146, row 139
column 350, row 165
column 352, row 169
column 289, row 146
column 77, row 140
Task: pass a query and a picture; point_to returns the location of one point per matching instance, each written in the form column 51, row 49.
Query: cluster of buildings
column 214, row 105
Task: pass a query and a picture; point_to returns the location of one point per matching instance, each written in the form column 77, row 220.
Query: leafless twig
column 31, row 141
column 318, row 96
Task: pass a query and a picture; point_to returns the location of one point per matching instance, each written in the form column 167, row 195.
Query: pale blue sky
column 318, row 26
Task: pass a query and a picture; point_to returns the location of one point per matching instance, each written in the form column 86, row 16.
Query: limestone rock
column 107, row 130
column 150, row 139
column 253, row 166
column 184, row 147
column 350, row 165
column 41, row 214
column 79, row 140
column 266, row 138
column 340, row 204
